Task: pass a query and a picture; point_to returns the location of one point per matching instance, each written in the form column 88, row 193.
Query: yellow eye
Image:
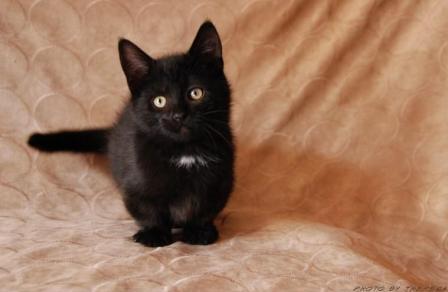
column 159, row 101
column 196, row 93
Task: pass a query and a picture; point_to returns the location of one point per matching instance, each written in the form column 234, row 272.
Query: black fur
column 74, row 141
column 147, row 143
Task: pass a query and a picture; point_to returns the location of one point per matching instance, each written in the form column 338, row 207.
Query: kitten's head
column 179, row 97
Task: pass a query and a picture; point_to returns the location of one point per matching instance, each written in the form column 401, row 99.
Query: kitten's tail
column 94, row 140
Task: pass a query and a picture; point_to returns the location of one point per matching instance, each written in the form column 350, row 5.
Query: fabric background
column 341, row 120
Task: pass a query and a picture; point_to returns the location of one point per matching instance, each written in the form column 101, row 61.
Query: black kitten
column 171, row 151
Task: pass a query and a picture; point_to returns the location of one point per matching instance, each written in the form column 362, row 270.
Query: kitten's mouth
column 179, row 133
column 184, row 131
column 182, row 135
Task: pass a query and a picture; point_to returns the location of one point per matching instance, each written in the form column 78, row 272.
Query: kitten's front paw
column 200, row 234
column 153, row 237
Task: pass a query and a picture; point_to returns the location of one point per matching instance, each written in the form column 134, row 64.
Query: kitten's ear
column 136, row 64
column 207, row 43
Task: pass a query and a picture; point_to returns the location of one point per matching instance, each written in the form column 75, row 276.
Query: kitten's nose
column 174, row 122
column 178, row 117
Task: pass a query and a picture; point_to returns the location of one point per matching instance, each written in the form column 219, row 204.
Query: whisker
column 215, row 120
column 202, row 121
column 221, row 135
column 211, row 138
column 213, row 112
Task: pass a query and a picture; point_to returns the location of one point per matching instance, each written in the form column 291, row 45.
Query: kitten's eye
column 159, row 101
column 196, row 93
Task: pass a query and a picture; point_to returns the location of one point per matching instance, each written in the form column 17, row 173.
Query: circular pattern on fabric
column 12, row 17
column 17, row 116
column 430, row 153
column 437, row 17
column 267, row 57
column 328, row 185
column 406, row 35
column 199, row 264
column 303, row 66
column 52, row 234
column 445, row 242
column 109, row 205
column 286, row 284
column 13, row 61
column 13, row 201
column 329, row 138
column 51, row 64
column 204, row 282
column 232, row 69
column 61, row 168
column 60, row 204
column 116, row 230
column 143, row 265
column 130, row 284
column 14, row 160
column 99, row 177
column 122, row 247
column 420, row 245
column 443, row 57
column 255, row 13
column 351, row 12
column 262, row 126
column 380, row 133
column 55, row 112
column 333, row 259
column 437, row 196
column 276, row 265
column 379, row 165
column 67, row 252
column 106, row 21
column 104, row 70
column 221, row 15
column 363, row 84
column 389, row 207
column 60, row 26
column 62, row 287
column 410, row 71
column 425, row 110
column 46, row 272
column 161, row 25
column 315, row 235
column 105, row 110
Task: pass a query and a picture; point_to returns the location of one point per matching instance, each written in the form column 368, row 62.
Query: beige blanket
column 341, row 119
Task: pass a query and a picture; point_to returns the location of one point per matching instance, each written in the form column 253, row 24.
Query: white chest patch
column 189, row 161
